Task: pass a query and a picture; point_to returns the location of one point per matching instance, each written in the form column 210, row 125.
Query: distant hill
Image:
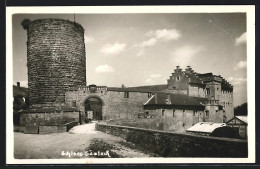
column 241, row 110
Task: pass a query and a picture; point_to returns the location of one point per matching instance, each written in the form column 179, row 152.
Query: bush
column 226, row 131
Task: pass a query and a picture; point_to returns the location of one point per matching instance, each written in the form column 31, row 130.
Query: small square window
column 73, row 103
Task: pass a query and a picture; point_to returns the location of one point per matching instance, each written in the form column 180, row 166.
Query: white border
column 249, row 9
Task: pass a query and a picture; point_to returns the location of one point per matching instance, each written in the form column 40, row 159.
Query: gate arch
column 94, row 105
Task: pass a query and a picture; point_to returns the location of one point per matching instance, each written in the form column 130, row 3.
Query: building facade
column 188, row 98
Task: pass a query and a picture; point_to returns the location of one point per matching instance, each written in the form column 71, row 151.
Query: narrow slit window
column 163, row 112
column 126, row 95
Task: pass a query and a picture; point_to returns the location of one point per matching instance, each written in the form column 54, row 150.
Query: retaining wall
column 36, row 129
column 167, row 144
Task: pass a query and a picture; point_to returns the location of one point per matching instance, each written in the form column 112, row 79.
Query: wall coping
column 175, row 133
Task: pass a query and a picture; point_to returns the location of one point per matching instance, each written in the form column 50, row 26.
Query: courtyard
column 81, row 142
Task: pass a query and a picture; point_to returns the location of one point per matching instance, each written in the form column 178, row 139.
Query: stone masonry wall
column 168, row 144
column 50, row 118
column 119, row 107
column 226, row 100
column 114, row 104
column 56, row 59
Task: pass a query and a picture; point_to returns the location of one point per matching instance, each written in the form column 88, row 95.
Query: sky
column 144, row 49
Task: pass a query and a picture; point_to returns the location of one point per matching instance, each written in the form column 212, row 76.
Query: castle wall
column 168, row 144
column 214, row 114
column 49, row 118
column 177, row 120
column 201, row 92
column 115, row 105
column 226, row 100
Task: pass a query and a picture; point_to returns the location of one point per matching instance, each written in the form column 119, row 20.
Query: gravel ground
column 80, row 142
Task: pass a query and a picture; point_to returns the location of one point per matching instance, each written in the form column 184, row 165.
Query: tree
column 241, row 110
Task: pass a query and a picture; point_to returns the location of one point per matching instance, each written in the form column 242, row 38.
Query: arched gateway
column 93, row 107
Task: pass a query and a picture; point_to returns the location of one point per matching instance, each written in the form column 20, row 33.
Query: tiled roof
column 242, row 118
column 166, row 99
column 205, row 127
column 152, row 88
column 194, row 78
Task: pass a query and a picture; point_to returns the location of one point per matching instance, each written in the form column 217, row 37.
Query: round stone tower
column 56, row 59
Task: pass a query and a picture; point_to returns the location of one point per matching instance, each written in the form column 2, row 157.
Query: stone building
column 212, row 87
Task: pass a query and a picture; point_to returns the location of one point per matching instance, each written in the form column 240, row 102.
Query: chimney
column 18, row 85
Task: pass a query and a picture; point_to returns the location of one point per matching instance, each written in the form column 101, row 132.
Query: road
column 80, row 142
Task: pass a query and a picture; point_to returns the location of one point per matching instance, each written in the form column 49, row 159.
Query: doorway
column 93, row 109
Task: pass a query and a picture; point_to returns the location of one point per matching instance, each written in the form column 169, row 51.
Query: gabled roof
column 176, row 99
column 242, row 118
column 145, row 89
column 205, row 127
column 194, row 78
column 166, row 100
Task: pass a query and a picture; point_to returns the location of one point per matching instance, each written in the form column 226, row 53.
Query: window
column 126, row 95
column 207, row 113
column 194, row 113
column 183, row 113
column 207, row 91
column 147, row 115
column 173, row 113
column 163, row 112
column 73, row 103
column 178, row 78
column 149, row 95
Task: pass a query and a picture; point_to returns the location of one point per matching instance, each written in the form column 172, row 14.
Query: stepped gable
column 193, row 76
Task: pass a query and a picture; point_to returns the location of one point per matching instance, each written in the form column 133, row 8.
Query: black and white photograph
column 146, row 84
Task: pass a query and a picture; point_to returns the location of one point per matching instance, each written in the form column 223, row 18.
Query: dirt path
column 67, row 145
